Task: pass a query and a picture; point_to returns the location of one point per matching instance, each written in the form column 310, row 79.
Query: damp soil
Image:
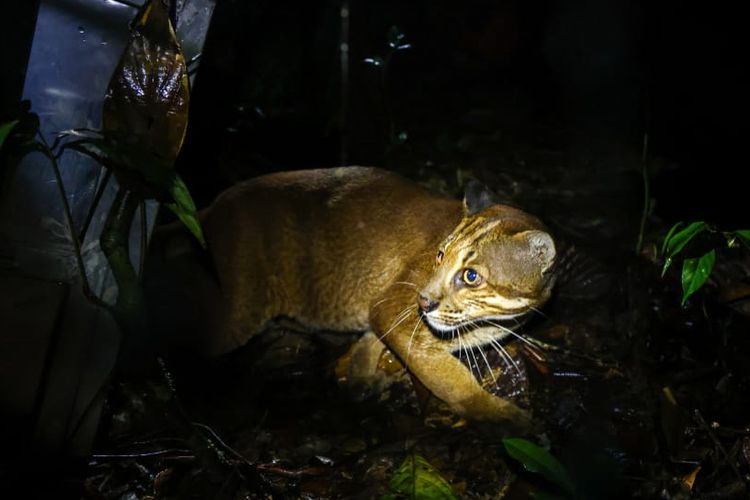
column 639, row 396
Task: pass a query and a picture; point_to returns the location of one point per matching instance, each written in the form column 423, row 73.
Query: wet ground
column 640, row 397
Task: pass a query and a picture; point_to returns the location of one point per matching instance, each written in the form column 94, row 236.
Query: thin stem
column 386, row 99
column 646, row 194
column 144, row 239
column 95, row 204
column 344, row 89
column 69, row 221
column 114, row 243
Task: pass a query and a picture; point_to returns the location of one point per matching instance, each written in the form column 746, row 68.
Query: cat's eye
column 471, row 277
column 439, row 257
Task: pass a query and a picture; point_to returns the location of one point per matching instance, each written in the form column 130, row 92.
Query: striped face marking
column 487, row 271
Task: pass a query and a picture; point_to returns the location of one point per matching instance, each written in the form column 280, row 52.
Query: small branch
column 172, row 453
column 280, row 471
column 732, row 465
column 567, row 352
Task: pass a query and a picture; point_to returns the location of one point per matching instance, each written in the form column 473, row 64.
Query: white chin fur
column 443, row 328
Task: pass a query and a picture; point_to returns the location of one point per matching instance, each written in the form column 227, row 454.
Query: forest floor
column 640, row 397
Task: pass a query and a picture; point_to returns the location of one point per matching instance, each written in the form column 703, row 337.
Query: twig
column 181, row 453
column 213, row 440
column 279, row 471
column 717, row 443
column 567, row 352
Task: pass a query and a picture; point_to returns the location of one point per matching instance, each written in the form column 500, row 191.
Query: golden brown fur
column 355, row 249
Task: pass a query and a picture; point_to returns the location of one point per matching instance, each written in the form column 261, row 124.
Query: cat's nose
column 426, row 304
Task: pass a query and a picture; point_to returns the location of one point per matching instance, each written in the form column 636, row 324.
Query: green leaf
column 536, row 459
column 695, row 272
column 678, row 240
column 674, row 243
column 5, row 130
column 669, row 236
column 184, row 208
column 744, row 234
column 416, row 479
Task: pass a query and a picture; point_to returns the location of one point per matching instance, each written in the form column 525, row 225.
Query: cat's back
column 329, row 185
column 341, row 202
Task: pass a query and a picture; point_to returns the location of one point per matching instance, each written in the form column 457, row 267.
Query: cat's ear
column 477, row 197
column 541, row 248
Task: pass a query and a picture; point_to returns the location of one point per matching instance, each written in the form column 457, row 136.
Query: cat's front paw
column 489, row 408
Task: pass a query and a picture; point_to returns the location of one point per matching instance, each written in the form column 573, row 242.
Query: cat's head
column 496, row 266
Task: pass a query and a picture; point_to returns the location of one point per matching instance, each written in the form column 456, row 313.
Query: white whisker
column 465, row 347
column 474, row 357
column 539, row 312
column 376, row 304
column 411, row 338
column 407, row 283
column 511, row 332
column 486, row 361
column 399, row 319
column 489, row 368
column 505, row 355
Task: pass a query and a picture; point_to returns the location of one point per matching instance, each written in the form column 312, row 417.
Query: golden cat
column 362, row 249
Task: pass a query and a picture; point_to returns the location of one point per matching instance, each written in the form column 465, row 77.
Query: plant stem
column 143, row 239
column 646, row 194
column 44, row 149
column 95, row 204
column 129, row 310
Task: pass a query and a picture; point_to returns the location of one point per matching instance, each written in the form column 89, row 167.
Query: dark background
column 267, row 95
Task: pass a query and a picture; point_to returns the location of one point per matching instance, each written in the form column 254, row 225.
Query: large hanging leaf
column 149, row 92
column 145, row 117
column 536, row 459
column 695, row 272
column 416, row 479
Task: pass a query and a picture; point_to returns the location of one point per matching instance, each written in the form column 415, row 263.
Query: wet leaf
column 148, row 94
column 536, row 459
column 744, row 235
column 669, row 236
column 417, row 479
column 375, row 61
column 5, row 130
column 695, row 272
column 676, row 241
column 689, row 479
column 145, row 117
